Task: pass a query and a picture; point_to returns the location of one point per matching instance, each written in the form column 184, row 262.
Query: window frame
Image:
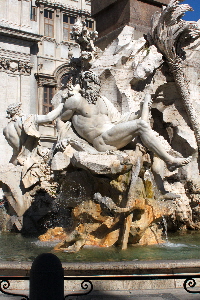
column 87, row 21
column 49, row 23
column 68, row 26
column 48, row 93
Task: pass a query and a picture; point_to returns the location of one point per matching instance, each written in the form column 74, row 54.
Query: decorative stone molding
column 24, row 67
column 69, row 44
column 45, row 79
column 14, row 55
column 53, row 40
column 63, row 7
column 19, row 34
column 14, row 25
column 48, row 39
column 13, row 66
column 61, row 71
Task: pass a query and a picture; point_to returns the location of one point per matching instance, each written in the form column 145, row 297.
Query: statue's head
column 90, row 85
column 13, row 109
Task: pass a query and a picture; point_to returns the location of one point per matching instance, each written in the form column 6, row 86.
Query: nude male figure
column 22, row 135
column 21, row 127
column 91, row 116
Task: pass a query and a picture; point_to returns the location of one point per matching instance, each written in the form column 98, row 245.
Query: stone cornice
column 19, row 34
column 53, row 40
column 63, row 7
column 14, row 55
column 45, row 79
column 69, row 44
column 48, row 39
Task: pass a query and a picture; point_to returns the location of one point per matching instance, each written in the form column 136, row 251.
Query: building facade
column 35, row 49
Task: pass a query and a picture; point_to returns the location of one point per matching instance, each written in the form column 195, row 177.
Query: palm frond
column 169, row 31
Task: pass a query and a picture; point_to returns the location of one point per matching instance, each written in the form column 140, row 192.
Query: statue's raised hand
column 148, row 100
column 61, row 145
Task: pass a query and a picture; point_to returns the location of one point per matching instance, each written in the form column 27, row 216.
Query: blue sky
column 193, row 15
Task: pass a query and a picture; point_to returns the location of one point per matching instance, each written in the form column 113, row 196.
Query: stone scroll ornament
column 170, row 34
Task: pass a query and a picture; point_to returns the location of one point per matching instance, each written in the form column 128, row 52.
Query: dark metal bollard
column 46, row 278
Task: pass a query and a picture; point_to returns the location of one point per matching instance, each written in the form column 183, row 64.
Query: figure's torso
column 13, row 133
column 91, row 120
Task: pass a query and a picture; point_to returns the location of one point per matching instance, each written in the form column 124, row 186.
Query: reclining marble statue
column 96, row 120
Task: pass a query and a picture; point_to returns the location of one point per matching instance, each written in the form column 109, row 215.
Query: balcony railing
column 88, row 282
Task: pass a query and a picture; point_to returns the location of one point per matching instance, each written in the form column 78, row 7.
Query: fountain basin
column 138, row 260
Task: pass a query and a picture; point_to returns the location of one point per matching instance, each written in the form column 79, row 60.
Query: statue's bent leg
column 151, row 141
column 117, row 137
column 123, row 133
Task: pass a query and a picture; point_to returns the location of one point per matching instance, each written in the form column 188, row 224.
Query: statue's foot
column 178, row 162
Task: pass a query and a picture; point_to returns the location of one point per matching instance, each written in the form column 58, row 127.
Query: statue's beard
column 90, row 95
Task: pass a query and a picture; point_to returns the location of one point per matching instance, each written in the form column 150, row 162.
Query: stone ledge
column 168, row 267
column 8, row 268
column 20, row 34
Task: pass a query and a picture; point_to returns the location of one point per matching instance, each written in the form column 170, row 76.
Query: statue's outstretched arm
column 51, row 115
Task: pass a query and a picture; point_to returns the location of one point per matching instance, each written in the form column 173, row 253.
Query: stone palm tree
column 170, row 34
